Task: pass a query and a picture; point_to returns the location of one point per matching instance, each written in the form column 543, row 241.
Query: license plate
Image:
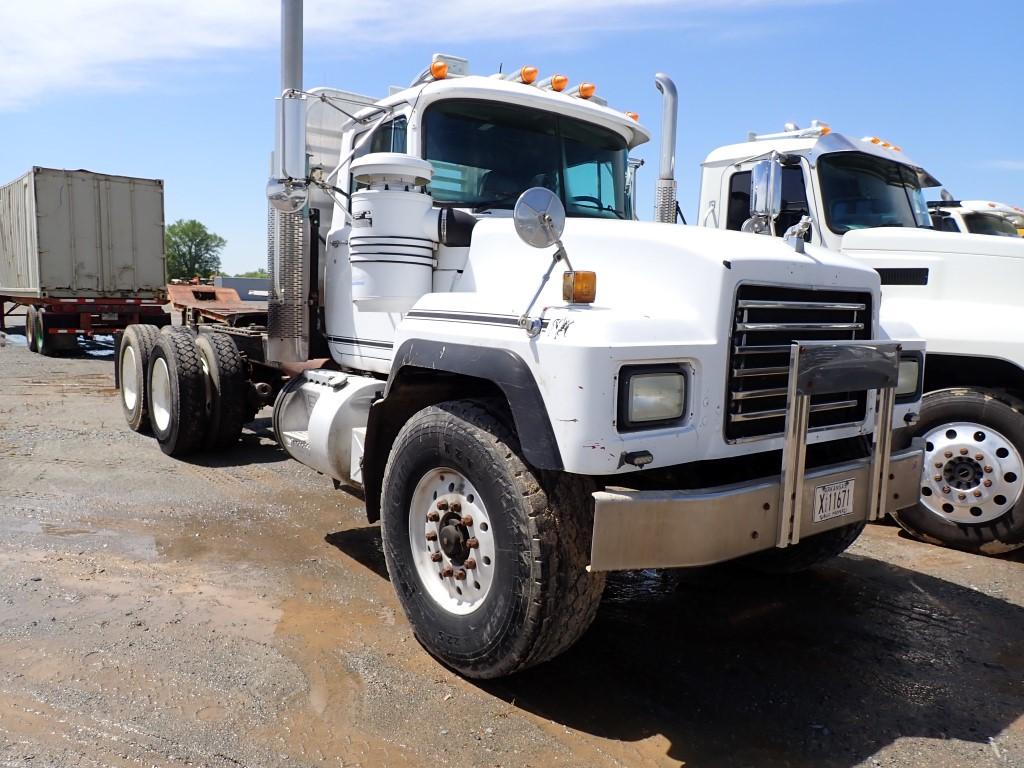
column 833, row 500
column 109, row 316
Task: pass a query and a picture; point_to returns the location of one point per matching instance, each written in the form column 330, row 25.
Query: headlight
column 908, row 381
column 651, row 396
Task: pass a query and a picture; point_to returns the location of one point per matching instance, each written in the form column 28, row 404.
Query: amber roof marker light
column 554, row 83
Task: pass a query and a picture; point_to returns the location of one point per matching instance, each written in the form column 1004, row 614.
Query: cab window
column 794, row 200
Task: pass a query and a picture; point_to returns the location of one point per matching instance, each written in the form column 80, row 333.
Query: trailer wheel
column 133, row 362
column 487, row 555
column 30, row 328
column 177, row 394
column 804, row 554
column 44, row 342
column 973, row 478
column 226, row 405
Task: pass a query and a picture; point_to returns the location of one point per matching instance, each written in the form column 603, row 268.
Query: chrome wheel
column 160, row 394
column 129, row 370
column 972, row 474
column 452, row 541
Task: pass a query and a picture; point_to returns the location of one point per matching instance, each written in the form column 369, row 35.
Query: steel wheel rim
column 972, row 473
column 457, row 578
column 129, row 370
column 160, row 394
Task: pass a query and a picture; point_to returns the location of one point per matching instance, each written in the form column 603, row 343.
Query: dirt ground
column 235, row 611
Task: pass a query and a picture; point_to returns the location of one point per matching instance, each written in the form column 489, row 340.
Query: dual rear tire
column 189, row 391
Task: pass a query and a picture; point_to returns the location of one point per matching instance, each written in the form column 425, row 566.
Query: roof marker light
column 439, row 70
column 554, row 83
column 583, row 90
column 633, row 116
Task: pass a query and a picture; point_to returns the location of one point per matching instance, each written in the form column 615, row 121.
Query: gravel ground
column 235, row 611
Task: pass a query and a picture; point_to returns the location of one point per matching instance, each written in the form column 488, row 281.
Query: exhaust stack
column 288, row 324
column 665, row 204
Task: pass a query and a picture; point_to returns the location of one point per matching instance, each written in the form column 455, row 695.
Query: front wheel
column 973, row 472
column 488, row 556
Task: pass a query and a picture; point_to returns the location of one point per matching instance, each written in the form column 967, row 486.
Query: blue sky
column 182, row 89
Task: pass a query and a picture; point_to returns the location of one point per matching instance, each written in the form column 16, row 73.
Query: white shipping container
column 80, row 234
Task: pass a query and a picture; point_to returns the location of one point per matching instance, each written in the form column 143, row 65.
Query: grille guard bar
column 828, row 367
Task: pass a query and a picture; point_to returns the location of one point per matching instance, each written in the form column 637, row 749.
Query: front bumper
column 666, row 529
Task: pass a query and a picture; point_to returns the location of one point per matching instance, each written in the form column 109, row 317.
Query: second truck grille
column 766, row 322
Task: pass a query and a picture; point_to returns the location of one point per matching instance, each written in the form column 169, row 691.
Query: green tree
column 192, row 250
column 261, row 272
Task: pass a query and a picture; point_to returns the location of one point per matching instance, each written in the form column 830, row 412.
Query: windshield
column 485, row 154
column 861, row 191
column 989, row 224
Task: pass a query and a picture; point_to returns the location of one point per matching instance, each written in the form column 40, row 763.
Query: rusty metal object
column 431, row 535
column 473, row 542
column 467, row 520
column 470, row 564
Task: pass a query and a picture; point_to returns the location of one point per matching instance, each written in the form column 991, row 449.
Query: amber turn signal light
column 579, row 287
column 438, row 70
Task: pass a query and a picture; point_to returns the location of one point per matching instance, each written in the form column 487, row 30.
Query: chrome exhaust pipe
column 665, row 204
column 288, row 326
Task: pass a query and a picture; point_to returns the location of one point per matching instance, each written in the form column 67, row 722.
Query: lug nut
column 460, row 575
column 431, row 535
column 938, row 478
column 467, row 520
column 470, row 563
column 938, row 465
column 442, row 504
column 433, row 517
column 456, row 507
column 945, row 489
column 436, row 557
column 949, row 454
column 987, row 483
column 447, row 571
column 963, row 451
column 977, row 494
column 979, row 457
column 988, row 469
column 472, row 542
column 961, row 496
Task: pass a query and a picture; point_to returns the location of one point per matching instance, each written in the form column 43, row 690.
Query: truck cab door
column 795, row 200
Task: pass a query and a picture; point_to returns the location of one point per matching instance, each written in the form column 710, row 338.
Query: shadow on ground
column 734, row 669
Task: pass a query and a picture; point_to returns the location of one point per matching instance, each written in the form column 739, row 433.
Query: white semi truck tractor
column 527, row 387
column 863, row 197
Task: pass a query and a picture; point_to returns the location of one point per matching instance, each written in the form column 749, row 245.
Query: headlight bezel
column 628, row 373
column 915, row 394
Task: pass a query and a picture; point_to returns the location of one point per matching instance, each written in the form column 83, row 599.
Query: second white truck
column 863, row 197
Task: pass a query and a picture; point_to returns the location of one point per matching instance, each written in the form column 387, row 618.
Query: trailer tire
column 30, row 328
column 539, row 598
column 44, row 341
column 806, row 553
column 177, row 394
column 998, row 419
column 133, row 365
column 228, row 390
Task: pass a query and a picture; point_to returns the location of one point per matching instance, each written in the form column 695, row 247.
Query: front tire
column 456, row 489
column 973, row 477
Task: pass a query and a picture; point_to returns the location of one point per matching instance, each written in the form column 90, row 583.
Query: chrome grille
column 766, row 322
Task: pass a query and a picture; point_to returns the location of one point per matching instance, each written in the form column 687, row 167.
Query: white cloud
column 52, row 46
column 1006, row 165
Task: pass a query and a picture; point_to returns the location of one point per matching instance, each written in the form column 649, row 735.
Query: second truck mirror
column 766, row 189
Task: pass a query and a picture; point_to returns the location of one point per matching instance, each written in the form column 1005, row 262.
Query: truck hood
column 889, row 239
column 685, row 275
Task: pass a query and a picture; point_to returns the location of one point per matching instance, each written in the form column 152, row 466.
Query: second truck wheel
column 133, row 363
column 177, row 393
column 227, row 389
column 973, row 472
column 488, row 558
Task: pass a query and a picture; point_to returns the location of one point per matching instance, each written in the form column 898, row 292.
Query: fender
column 499, row 368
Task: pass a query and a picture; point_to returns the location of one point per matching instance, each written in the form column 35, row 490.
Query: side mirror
column 539, row 217
column 766, row 189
